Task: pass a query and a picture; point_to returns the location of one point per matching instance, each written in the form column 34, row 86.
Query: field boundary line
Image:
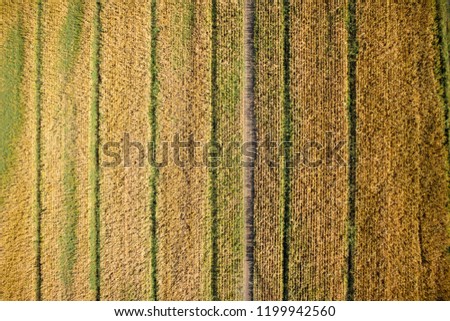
column 351, row 106
column 95, row 163
column 38, row 149
column 287, row 135
column 213, row 170
column 249, row 134
column 153, row 128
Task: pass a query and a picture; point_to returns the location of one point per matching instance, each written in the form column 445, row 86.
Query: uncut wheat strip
column 229, row 135
column 268, row 179
column 18, row 273
column 319, row 188
column 183, row 213
column 124, row 188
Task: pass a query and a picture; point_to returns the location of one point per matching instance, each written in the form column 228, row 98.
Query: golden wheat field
column 264, row 150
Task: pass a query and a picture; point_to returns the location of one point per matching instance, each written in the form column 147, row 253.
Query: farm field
column 224, row 150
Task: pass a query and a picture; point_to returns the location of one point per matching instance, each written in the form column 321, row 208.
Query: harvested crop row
column 268, row 172
column 65, row 110
column 18, row 179
column 184, row 257
column 124, row 174
column 401, row 210
column 226, row 102
column 317, row 266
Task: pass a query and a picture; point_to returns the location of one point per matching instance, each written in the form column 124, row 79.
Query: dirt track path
column 249, row 141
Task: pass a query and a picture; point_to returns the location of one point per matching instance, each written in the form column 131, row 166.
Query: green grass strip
column 70, row 37
column 11, row 111
column 94, row 172
column 70, row 44
column 154, row 132
column 351, row 110
column 287, row 150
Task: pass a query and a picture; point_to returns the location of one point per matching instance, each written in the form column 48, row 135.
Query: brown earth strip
column 319, row 187
column 249, row 136
column 18, row 181
column 124, row 187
